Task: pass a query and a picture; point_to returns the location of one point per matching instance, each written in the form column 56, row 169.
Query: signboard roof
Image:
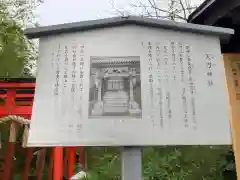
column 128, row 20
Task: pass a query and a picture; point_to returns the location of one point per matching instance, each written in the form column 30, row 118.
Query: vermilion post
column 58, row 163
column 71, row 161
column 10, row 103
column 27, row 164
column 8, row 161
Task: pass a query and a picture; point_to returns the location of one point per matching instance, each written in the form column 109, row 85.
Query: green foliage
column 17, row 53
column 103, row 163
column 14, row 50
column 175, row 163
column 229, row 168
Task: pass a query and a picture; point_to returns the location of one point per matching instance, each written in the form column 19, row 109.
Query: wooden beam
column 232, row 71
column 6, row 85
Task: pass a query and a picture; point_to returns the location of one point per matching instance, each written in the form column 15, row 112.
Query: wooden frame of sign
column 232, row 68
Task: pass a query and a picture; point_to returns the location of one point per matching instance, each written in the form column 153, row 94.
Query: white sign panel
column 130, row 86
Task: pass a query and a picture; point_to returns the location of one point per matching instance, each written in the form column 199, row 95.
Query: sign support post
column 131, row 163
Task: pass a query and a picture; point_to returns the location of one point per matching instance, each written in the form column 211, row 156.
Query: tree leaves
column 16, row 51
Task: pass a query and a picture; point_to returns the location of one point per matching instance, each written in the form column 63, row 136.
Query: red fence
column 16, row 98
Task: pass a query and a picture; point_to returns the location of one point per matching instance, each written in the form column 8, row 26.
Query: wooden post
column 71, row 161
column 233, row 85
column 27, row 164
column 8, row 163
column 58, row 163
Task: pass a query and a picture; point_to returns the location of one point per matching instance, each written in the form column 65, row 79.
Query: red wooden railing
column 16, row 98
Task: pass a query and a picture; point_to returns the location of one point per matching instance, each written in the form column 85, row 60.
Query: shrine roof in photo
column 38, row 32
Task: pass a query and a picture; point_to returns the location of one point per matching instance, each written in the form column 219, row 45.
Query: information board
column 130, row 85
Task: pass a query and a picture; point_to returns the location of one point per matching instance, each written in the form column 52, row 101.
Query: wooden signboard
column 232, row 68
column 130, row 85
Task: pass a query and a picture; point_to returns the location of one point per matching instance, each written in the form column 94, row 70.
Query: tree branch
column 153, row 4
column 116, row 9
column 176, row 10
column 183, row 8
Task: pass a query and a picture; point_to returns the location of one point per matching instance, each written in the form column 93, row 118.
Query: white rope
column 20, row 120
column 15, row 118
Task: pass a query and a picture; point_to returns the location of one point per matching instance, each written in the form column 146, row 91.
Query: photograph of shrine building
column 115, row 87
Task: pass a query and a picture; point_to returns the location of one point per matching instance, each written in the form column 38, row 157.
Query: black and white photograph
column 115, row 87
